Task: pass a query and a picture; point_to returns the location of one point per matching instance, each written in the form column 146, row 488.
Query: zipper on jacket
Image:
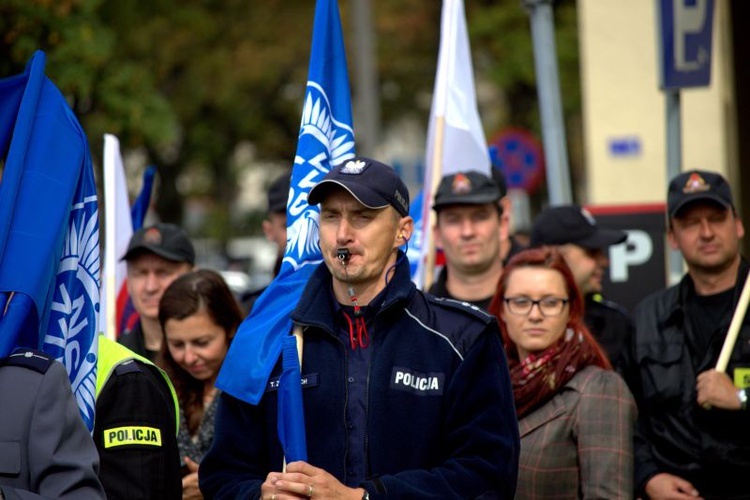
column 367, row 402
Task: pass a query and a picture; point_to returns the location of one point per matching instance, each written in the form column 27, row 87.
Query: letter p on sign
column 636, row 250
column 685, row 51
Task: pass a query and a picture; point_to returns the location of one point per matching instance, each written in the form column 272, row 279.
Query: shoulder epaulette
column 129, row 366
column 459, row 305
column 611, row 305
column 29, row 358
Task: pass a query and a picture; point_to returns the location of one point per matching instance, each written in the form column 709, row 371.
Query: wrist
column 363, row 494
column 742, row 396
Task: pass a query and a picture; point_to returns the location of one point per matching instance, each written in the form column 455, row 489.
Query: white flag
column 455, row 138
column 118, row 228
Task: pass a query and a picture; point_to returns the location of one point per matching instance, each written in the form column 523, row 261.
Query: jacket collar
column 317, row 305
column 686, row 288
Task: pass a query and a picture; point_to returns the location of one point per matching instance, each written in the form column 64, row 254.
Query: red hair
column 545, row 258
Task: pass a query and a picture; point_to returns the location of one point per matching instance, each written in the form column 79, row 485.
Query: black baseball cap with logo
column 278, row 193
column 697, row 185
column 566, row 224
column 374, row 184
column 165, row 240
column 466, row 188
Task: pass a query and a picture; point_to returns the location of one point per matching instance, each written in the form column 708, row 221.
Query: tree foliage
column 190, row 80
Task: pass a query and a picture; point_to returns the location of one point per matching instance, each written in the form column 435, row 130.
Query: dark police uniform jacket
column 709, row 448
column 133, row 340
column 611, row 326
column 440, row 421
column 45, row 449
column 136, row 428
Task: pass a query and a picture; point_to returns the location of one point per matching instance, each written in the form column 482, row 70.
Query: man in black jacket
column 156, row 256
column 693, row 437
column 584, row 245
column 274, row 228
column 470, row 229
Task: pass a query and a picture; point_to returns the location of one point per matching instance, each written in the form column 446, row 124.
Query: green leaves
column 188, row 81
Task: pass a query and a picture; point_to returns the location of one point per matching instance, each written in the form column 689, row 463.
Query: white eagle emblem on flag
column 76, row 298
column 323, row 141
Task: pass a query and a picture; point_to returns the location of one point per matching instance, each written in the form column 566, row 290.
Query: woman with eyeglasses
column 575, row 415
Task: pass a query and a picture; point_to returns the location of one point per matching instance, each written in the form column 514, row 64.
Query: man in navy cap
column 274, row 228
column 156, row 256
column 405, row 395
column 693, row 437
column 585, row 247
column 470, row 229
column 274, row 225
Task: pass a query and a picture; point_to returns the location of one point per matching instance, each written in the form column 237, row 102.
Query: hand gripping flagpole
column 734, row 327
column 299, row 342
column 291, row 415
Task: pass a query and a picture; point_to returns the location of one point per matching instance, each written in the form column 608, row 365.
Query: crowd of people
column 511, row 378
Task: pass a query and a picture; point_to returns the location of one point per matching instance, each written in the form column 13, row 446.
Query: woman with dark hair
column 575, row 415
column 199, row 316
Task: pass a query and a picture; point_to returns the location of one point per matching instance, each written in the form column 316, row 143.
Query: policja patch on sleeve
column 132, row 435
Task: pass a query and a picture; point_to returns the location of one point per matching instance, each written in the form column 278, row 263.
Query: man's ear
column 405, row 231
column 437, row 236
column 268, row 230
column 671, row 239
column 740, row 227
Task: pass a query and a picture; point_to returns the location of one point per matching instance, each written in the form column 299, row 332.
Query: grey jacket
column 45, row 449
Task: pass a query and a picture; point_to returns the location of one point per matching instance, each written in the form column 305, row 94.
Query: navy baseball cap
column 374, row 184
column 278, row 193
column 572, row 224
column 165, row 240
column 499, row 177
column 697, row 185
column 466, row 188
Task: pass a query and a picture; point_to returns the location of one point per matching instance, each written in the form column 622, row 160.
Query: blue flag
column 49, row 230
column 140, row 207
column 326, row 138
column 291, row 420
column 414, row 252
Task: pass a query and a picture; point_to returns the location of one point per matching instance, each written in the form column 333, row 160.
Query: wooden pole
column 734, row 327
column 428, row 216
column 109, row 324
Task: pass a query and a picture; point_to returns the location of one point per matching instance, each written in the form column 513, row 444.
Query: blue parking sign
column 685, row 51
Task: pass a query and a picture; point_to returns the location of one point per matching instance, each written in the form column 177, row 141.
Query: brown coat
column 579, row 444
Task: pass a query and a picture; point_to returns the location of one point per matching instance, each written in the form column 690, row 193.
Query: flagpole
column 298, row 337
column 428, row 218
column 110, row 259
column 734, row 327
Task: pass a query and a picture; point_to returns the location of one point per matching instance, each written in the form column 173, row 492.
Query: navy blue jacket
column 441, row 420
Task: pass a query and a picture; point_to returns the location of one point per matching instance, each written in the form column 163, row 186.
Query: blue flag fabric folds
column 49, row 230
column 326, row 138
column 291, row 421
column 140, row 207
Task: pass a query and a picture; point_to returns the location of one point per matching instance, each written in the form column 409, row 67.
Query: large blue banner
column 326, row 138
column 49, row 230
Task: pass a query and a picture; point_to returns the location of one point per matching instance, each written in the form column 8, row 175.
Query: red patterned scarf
column 540, row 376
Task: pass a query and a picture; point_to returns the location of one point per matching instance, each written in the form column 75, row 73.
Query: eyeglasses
column 548, row 306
